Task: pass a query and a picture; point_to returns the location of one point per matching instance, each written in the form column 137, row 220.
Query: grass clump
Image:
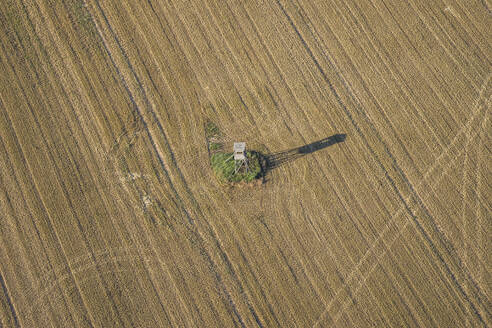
column 213, row 135
column 224, row 168
column 215, row 146
column 212, row 130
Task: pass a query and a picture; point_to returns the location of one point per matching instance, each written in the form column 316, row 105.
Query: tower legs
column 238, row 164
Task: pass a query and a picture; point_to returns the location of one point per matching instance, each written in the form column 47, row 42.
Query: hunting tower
column 240, row 157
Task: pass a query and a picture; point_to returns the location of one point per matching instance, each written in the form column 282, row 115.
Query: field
column 110, row 214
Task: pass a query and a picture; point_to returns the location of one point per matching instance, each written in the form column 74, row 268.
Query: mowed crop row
column 110, row 212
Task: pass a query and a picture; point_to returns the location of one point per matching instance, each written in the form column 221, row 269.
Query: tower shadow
column 275, row 160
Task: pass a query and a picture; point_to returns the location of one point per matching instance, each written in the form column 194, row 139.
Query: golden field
column 110, row 214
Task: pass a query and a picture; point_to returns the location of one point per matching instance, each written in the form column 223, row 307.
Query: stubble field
column 110, row 214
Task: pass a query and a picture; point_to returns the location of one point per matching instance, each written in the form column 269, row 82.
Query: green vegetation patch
column 223, row 166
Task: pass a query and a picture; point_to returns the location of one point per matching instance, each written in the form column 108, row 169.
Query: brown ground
column 109, row 212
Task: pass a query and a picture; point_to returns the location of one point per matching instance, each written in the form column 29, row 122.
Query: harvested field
column 110, row 214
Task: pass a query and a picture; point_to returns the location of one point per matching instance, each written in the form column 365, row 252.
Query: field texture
column 110, row 215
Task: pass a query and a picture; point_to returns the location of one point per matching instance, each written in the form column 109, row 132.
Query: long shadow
column 275, row 160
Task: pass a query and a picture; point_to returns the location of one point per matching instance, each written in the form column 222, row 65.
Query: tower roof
column 239, row 147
